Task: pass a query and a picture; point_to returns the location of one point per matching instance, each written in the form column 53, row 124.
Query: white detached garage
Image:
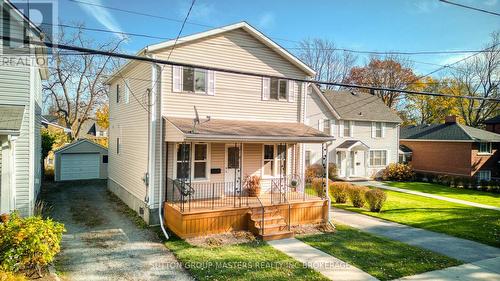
column 81, row 160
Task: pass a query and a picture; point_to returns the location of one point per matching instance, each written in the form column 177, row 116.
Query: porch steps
column 272, row 227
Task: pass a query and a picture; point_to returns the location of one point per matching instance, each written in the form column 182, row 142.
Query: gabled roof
column 240, row 25
column 78, row 142
column 493, row 120
column 360, row 106
column 350, row 144
column 11, row 119
column 447, row 132
column 247, row 131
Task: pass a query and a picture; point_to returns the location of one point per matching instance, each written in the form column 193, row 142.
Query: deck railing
column 200, row 196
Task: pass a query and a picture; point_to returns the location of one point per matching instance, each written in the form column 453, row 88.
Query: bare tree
column 392, row 72
column 330, row 63
column 75, row 88
column 479, row 77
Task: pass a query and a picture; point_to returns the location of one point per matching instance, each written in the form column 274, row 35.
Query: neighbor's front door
column 232, row 169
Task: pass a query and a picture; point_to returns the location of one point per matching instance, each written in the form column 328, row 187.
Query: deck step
column 271, row 228
column 276, row 235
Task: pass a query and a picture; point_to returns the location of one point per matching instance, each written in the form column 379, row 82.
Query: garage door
column 79, row 166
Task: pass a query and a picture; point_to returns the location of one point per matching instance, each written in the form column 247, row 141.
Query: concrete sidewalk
column 322, row 262
column 464, row 202
column 461, row 249
column 485, row 270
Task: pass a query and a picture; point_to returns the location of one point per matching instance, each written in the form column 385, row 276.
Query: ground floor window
column 378, row 157
column 484, row 175
column 282, row 159
column 199, row 163
column 308, row 158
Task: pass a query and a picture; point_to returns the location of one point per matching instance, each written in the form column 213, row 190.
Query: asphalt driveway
column 101, row 242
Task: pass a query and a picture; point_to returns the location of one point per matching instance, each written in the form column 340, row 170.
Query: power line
column 182, row 28
column 232, row 71
column 470, row 7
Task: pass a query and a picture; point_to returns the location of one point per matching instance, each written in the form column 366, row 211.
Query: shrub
column 357, row 195
column 375, row 199
column 9, row 276
column 317, row 171
column 28, row 243
column 48, row 174
column 317, row 185
column 398, row 172
column 339, row 191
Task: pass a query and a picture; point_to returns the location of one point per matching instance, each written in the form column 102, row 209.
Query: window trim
column 347, row 124
column 370, row 158
column 489, row 146
column 191, row 154
column 207, row 170
column 118, row 145
column 278, row 92
column 381, row 130
column 329, row 128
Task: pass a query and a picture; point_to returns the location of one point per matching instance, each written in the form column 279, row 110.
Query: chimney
column 450, row 119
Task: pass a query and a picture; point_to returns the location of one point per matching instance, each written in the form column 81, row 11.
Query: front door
column 232, row 168
column 359, row 162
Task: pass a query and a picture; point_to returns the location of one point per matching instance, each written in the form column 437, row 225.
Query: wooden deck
column 202, row 217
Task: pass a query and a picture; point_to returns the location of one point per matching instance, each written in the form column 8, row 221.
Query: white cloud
column 266, row 20
column 453, row 58
column 103, row 16
column 425, row 6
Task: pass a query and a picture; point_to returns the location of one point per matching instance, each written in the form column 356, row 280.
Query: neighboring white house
column 366, row 131
column 249, row 124
column 20, row 113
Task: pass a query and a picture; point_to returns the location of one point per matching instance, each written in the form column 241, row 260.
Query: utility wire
column 237, row 72
column 470, row 7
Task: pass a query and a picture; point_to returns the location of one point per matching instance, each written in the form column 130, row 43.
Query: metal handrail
column 263, row 209
column 283, row 186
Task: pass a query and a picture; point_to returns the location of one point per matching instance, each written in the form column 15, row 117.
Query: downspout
column 156, row 90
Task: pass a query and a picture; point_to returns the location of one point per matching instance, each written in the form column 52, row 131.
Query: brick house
column 454, row 149
column 493, row 124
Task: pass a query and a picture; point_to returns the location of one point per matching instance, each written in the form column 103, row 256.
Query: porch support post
column 326, row 186
column 240, row 169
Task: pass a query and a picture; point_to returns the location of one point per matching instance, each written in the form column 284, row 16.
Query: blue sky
column 382, row 25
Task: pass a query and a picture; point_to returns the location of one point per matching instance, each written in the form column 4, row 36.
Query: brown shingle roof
column 360, row 106
column 243, row 130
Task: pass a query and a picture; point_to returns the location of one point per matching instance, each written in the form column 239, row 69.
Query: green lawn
column 382, row 258
column 458, row 220
column 477, row 196
column 250, row 261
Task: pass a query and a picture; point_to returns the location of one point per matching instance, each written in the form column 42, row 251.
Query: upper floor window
column 327, row 127
column 193, row 80
column 378, row 130
column 127, row 91
column 485, row 147
column 279, row 89
column 378, row 157
column 347, row 129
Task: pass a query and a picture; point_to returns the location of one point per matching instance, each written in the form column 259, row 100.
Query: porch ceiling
column 182, row 129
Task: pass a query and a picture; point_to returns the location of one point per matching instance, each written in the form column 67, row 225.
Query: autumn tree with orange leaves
column 390, row 72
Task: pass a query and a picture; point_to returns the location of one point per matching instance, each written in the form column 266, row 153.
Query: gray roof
column 448, row 132
column 217, row 129
column 360, row 106
column 494, row 120
column 11, row 118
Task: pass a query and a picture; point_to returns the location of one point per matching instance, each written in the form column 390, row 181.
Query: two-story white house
column 22, row 69
column 366, row 131
column 192, row 136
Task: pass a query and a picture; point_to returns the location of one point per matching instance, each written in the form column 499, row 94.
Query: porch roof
column 182, row 129
column 350, row 144
column 11, row 119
